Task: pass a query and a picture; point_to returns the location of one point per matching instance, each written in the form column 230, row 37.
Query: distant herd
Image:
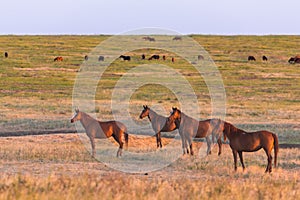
column 292, row 60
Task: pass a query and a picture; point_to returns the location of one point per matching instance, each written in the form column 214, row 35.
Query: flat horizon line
column 115, row 34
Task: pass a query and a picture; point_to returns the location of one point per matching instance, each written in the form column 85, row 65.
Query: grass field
column 36, row 97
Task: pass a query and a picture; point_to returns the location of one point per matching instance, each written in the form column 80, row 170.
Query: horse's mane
column 88, row 116
column 231, row 128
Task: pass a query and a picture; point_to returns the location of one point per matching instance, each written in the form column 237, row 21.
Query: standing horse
column 101, row 58
column 158, row 123
column 190, row 128
column 240, row 141
column 97, row 129
column 128, row 58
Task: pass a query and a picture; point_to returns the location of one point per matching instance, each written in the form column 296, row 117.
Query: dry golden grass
column 59, row 167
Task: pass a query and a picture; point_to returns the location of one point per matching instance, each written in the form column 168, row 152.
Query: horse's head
column 175, row 116
column 145, row 112
column 76, row 116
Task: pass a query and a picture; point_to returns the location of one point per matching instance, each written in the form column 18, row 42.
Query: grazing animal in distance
column 149, row 39
column 158, row 123
column 200, row 57
column 173, row 59
column 128, row 58
column 101, row 58
column 101, row 130
column 190, row 128
column 58, row 58
column 164, row 57
column 5, row 54
column 241, row 141
column 155, row 57
column 251, row 58
column 86, row 57
column 143, row 57
column 264, row 58
column 294, row 60
column 176, row 38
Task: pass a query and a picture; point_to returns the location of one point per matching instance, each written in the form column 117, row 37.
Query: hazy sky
column 117, row 16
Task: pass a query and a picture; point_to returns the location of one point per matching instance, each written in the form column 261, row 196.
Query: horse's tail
column 276, row 148
column 126, row 139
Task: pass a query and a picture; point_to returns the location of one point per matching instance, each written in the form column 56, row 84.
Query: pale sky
column 229, row 17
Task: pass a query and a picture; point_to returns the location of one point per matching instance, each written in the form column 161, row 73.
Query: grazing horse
column 143, row 56
column 251, row 58
column 177, row 38
column 59, row 58
column 5, row 54
column 240, row 140
column 86, row 57
column 200, row 57
column 173, row 59
column 149, row 39
column 190, row 128
column 155, row 57
column 97, row 129
column 264, row 58
column 125, row 57
column 294, row 60
column 101, row 58
column 158, row 123
column 164, row 57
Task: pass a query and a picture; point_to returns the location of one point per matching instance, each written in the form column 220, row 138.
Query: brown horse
column 240, row 141
column 59, row 58
column 96, row 129
column 190, row 128
column 158, row 123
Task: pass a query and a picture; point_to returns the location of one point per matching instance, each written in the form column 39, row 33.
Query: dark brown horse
column 155, row 57
column 240, row 141
column 96, row 129
column 158, row 123
column 128, row 58
column 264, row 58
column 251, row 58
column 101, row 58
column 190, row 128
column 294, row 60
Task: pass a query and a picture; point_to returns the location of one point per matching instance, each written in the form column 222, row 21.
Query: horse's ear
column 77, row 110
column 174, row 108
column 144, row 106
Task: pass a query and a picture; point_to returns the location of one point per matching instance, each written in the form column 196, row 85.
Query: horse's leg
column 220, row 146
column 234, row 152
column 186, row 146
column 241, row 159
column 208, row 141
column 190, row 142
column 158, row 140
column 269, row 166
column 119, row 140
column 182, row 144
column 93, row 145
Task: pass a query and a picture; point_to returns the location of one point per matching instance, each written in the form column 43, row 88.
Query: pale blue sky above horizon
column 228, row 17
